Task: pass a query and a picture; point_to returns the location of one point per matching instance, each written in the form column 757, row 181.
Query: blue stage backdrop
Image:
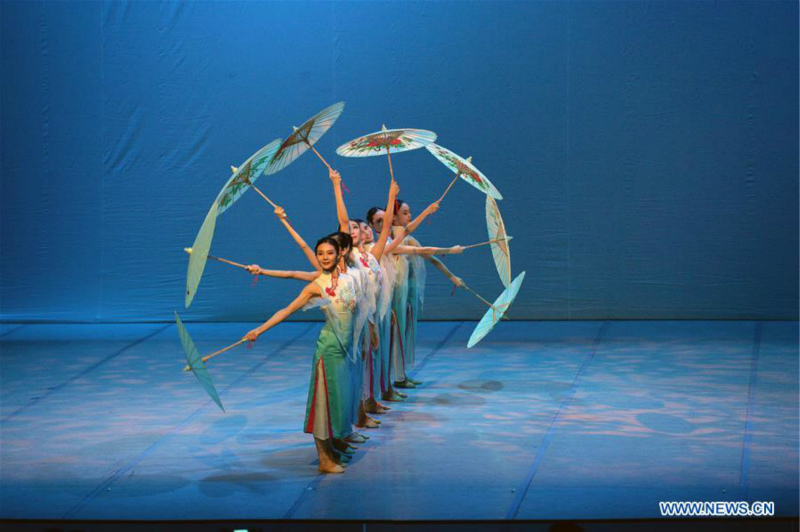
column 647, row 151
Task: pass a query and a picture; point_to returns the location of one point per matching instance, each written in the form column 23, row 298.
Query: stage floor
column 542, row 420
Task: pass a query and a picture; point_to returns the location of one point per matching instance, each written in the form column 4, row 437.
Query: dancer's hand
column 335, row 176
column 255, row 269
column 374, row 340
column 433, row 207
column 394, row 187
column 455, row 250
column 280, row 213
column 253, row 335
column 457, row 281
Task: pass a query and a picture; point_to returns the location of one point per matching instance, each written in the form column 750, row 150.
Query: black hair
column 371, row 214
column 344, row 239
column 359, row 221
column 399, row 203
column 328, row 240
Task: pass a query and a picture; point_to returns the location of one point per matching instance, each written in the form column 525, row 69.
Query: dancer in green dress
column 328, row 401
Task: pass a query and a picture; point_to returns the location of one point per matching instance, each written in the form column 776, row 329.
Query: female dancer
column 327, row 405
column 369, row 262
column 409, row 293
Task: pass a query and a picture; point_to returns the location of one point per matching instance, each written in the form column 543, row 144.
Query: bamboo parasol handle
column 391, row 170
column 321, row 158
column 484, row 243
column 264, row 196
column 453, row 182
column 476, row 294
column 226, row 261
column 215, row 353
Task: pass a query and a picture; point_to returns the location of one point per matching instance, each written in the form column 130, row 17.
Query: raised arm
column 380, row 246
column 410, row 228
column 341, row 210
column 309, row 253
column 255, row 269
column 305, row 296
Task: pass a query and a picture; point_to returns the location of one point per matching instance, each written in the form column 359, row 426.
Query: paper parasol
column 245, row 175
column 387, row 141
column 464, row 169
column 501, row 252
column 495, row 314
column 304, row 138
column 196, row 364
column 197, row 260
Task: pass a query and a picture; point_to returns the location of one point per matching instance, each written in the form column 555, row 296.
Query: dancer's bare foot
column 393, row 398
column 355, row 438
column 343, row 447
column 327, row 462
column 415, row 381
column 372, row 423
column 371, row 406
column 404, row 384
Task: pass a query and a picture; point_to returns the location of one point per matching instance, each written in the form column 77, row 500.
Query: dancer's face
column 327, row 256
column 403, row 216
column 355, row 232
column 377, row 221
column 366, row 234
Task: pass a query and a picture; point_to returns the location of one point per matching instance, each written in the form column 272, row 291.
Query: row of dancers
column 371, row 292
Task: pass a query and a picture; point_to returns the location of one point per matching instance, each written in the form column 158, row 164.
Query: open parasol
column 242, row 179
column 387, row 141
column 495, row 314
column 464, row 169
column 501, row 252
column 195, row 363
column 304, row 137
column 246, row 175
column 197, row 260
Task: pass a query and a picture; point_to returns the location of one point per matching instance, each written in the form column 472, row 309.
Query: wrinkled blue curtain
column 647, row 150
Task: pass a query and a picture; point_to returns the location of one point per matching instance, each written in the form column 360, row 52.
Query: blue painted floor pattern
column 541, row 420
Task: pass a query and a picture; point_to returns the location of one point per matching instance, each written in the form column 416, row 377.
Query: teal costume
column 328, row 409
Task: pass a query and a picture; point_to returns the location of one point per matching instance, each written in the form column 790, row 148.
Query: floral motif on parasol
column 387, row 141
column 464, row 169
column 495, row 314
column 304, row 137
column 247, row 174
column 497, row 234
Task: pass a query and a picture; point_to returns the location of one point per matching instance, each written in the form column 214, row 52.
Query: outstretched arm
column 380, row 246
column 308, row 292
column 427, row 250
column 410, row 228
column 442, row 268
column 255, row 269
column 341, row 210
column 309, row 253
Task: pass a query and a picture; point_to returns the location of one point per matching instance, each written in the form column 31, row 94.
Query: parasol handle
column 226, row 261
column 476, row 294
column 484, row 243
column 321, row 158
column 453, row 182
column 212, row 355
column 264, row 196
column 391, row 170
